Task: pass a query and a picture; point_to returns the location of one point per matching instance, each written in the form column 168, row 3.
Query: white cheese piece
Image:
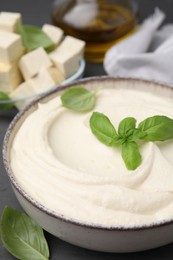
column 56, row 74
column 66, row 63
column 22, row 91
column 11, row 47
column 72, row 45
column 42, row 82
column 54, row 33
column 10, row 21
column 34, row 61
column 67, row 56
column 46, row 79
column 10, row 77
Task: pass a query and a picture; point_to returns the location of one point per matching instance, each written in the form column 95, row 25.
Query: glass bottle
column 101, row 23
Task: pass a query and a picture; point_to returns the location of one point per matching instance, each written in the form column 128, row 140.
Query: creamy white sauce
column 61, row 164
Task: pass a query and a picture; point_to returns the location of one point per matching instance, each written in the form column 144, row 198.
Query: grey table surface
column 37, row 13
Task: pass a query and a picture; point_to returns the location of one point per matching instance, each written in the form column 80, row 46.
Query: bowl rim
column 72, row 78
column 46, row 210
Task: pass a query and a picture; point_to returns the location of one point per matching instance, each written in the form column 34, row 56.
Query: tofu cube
column 54, row 33
column 10, row 21
column 56, row 74
column 67, row 56
column 21, row 92
column 72, row 45
column 11, row 47
column 42, row 82
column 31, row 63
column 66, row 63
column 10, row 77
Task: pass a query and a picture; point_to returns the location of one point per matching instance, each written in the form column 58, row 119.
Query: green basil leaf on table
column 78, row 99
column 22, row 237
column 33, row 38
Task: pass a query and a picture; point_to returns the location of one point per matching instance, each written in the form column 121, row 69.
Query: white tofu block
column 22, row 91
column 54, row 33
column 33, row 62
column 66, row 63
column 42, row 82
column 10, row 77
column 67, row 56
column 10, row 21
column 12, row 15
column 11, row 47
column 56, row 74
column 72, row 45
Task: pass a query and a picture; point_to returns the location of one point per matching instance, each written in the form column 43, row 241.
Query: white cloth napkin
column 147, row 54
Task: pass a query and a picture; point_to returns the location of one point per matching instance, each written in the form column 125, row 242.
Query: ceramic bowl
column 90, row 236
column 22, row 102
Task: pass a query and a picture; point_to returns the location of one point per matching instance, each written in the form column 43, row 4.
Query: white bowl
column 22, row 102
column 90, row 236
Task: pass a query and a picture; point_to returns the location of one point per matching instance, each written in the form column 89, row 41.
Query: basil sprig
column 22, row 237
column 156, row 128
column 5, row 97
column 33, row 37
column 78, row 99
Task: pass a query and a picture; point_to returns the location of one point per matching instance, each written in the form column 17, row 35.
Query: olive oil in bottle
column 101, row 23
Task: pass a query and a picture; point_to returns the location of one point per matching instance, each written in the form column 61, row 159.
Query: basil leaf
column 127, row 126
column 131, row 155
column 4, row 97
column 137, row 134
column 103, row 129
column 117, row 141
column 33, row 38
column 78, row 99
column 22, row 237
column 157, row 128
